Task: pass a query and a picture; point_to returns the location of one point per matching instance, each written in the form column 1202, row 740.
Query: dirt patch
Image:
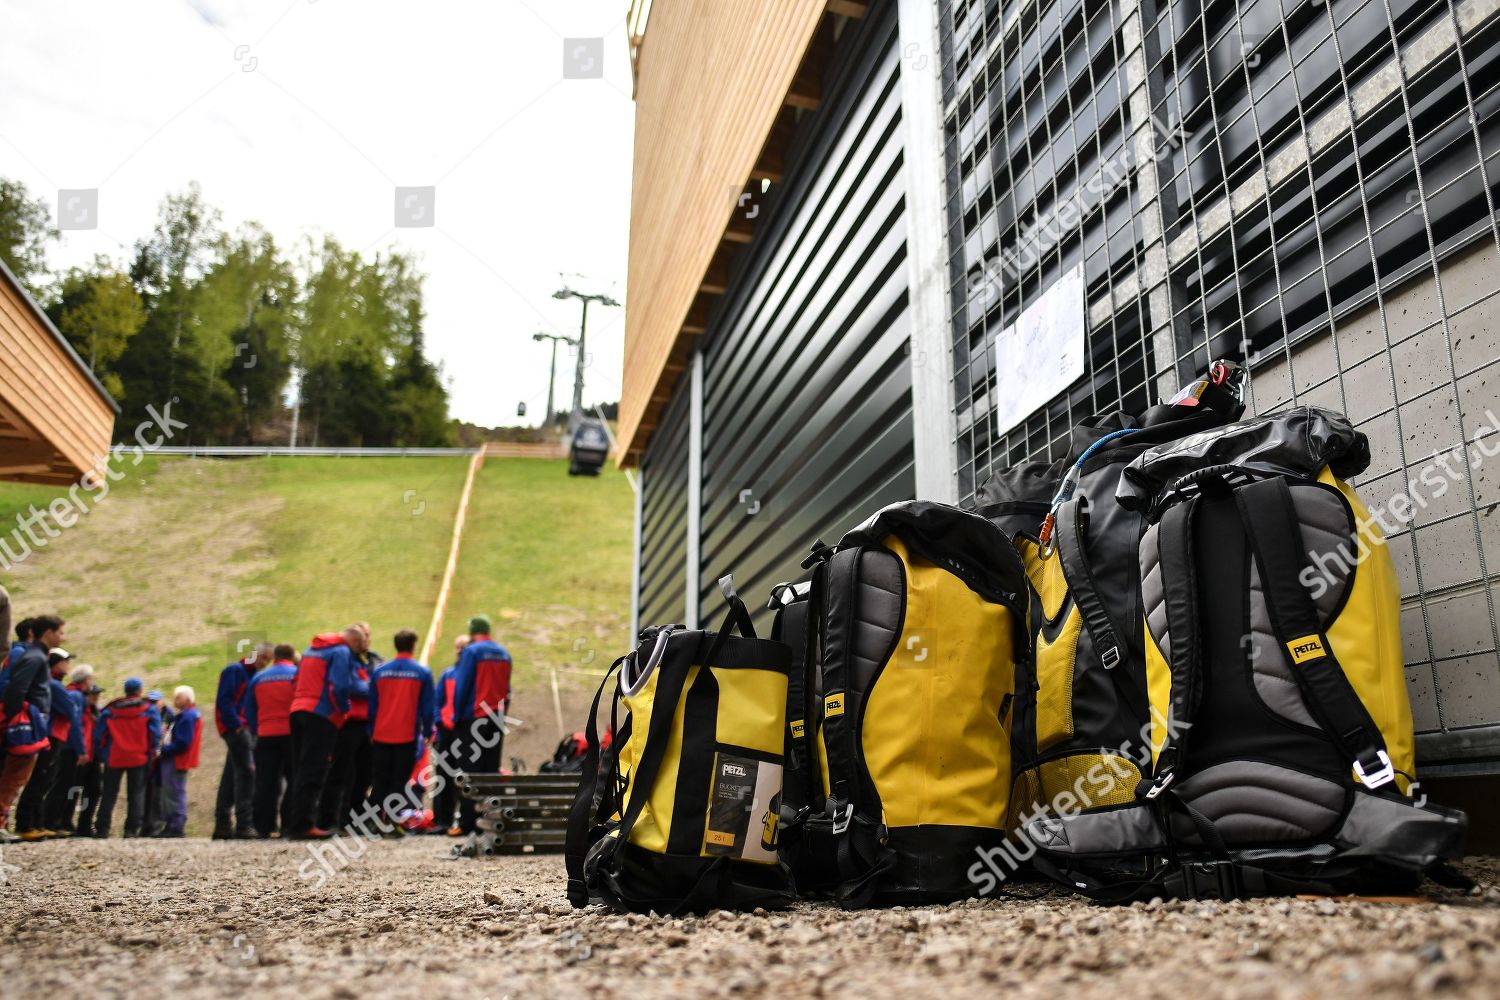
column 128, row 603
column 200, row 919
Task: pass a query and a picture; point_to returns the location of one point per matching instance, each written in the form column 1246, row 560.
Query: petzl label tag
column 1307, row 649
column 833, row 705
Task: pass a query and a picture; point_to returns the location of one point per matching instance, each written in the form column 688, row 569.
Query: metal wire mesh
column 1305, row 186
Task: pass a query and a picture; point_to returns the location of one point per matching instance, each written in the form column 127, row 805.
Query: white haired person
column 181, row 756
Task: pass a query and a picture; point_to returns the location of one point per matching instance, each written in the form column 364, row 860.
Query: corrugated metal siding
column 664, row 506
column 807, row 384
column 807, row 387
column 1301, row 192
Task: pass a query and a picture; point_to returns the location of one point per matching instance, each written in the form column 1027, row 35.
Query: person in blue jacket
column 66, row 791
column 126, row 739
column 179, row 757
column 235, row 803
column 481, row 696
column 31, row 810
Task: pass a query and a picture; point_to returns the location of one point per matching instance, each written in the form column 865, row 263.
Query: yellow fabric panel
column 1158, row 690
column 655, row 821
column 1046, row 577
column 932, row 736
column 822, row 750
column 752, row 709
column 1366, row 638
column 1055, row 662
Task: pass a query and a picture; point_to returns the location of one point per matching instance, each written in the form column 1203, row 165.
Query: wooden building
column 55, row 417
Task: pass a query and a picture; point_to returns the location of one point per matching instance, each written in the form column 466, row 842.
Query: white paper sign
column 1041, row 353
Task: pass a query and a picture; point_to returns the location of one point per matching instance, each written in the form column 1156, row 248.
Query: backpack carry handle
column 1179, row 489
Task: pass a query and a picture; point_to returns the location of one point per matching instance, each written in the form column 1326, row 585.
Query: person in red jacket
column 125, row 738
column 349, row 770
column 181, row 756
column 326, row 680
column 401, row 714
column 90, row 771
column 445, row 797
column 268, row 711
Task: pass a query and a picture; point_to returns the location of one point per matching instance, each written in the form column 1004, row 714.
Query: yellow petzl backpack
column 686, row 818
column 1281, row 746
column 917, row 620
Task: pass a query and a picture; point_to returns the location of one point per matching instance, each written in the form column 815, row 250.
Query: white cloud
column 304, row 115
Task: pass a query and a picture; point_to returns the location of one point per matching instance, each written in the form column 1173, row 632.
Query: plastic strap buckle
column 842, row 813
column 1110, row 657
column 1162, row 782
column 1381, row 776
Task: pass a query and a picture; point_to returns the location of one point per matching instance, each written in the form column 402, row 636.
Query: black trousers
column 391, row 765
column 313, row 737
column 233, row 808
column 63, row 796
column 445, row 799
column 135, row 799
column 476, row 750
column 31, row 808
column 91, row 785
column 273, row 783
column 348, row 775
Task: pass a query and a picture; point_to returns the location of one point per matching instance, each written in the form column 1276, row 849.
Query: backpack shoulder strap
column 1275, row 535
column 1184, row 653
column 836, row 622
column 1072, row 550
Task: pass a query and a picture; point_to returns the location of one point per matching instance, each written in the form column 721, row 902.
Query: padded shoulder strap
column 791, row 628
column 836, row 620
column 1179, row 570
column 1275, row 534
column 1078, row 571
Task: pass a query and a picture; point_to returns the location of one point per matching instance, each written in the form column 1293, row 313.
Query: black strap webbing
column 1275, row 535
column 838, row 621
column 1179, row 571
column 1107, row 636
column 580, row 820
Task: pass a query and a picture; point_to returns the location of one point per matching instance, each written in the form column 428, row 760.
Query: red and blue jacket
column 401, row 701
column 359, row 695
column 127, row 733
column 186, row 740
column 229, row 705
column 63, row 716
column 327, row 678
column 25, row 700
column 481, row 680
column 445, row 698
column 268, row 700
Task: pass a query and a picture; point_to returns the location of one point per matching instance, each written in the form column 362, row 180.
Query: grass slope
column 547, row 557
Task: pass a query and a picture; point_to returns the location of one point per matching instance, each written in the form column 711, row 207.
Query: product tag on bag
column 743, row 809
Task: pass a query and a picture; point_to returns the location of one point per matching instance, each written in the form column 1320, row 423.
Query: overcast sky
column 305, row 115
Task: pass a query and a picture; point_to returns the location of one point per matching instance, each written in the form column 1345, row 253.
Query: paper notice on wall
column 1041, row 353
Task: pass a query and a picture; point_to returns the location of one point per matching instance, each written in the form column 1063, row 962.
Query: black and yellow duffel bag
column 1082, row 719
column 1282, row 733
column 916, row 620
column 686, row 820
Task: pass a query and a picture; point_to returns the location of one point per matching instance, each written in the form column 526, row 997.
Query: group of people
column 65, row 757
column 310, row 741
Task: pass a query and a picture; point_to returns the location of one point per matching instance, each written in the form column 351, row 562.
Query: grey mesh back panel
column 1254, row 802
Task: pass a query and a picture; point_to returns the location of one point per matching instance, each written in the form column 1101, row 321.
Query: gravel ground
column 197, row 918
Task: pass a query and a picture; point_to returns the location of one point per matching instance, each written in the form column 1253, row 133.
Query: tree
column 25, row 230
column 98, row 311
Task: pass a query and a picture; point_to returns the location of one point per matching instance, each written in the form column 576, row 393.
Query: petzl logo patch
column 799, row 728
column 1307, row 648
column 833, row 705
